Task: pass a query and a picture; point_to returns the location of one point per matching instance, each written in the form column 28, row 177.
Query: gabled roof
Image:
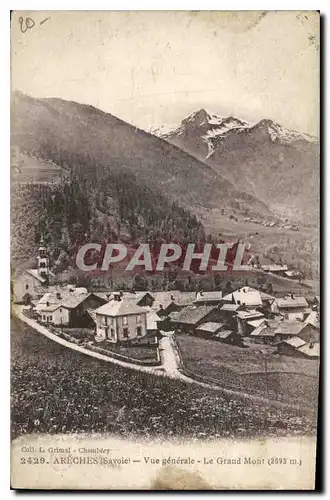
column 256, row 322
column 245, row 295
column 294, row 342
column 34, row 273
column 68, row 298
column 229, row 307
column 266, row 329
column 289, row 328
column 313, row 319
column 210, row 327
column 252, row 314
column 191, row 315
column 224, row 334
column 291, row 302
column 122, row 307
column 173, row 296
column 310, row 349
column 208, row 296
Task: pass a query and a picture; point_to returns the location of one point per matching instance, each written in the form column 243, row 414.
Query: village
column 130, row 323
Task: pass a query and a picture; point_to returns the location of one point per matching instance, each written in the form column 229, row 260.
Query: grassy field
column 288, row 379
column 55, row 389
column 134, row 352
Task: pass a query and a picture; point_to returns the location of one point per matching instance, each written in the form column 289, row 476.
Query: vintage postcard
column 165, row 307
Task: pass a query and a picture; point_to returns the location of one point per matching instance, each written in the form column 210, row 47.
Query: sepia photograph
column 165, row 218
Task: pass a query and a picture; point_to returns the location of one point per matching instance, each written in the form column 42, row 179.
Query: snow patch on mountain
column 286, row 136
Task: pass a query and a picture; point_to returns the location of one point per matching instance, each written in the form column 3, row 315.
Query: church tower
column 43, row 260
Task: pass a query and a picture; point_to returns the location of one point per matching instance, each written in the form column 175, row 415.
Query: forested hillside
column 110, row 207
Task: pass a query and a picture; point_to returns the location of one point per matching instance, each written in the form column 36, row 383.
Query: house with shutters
column 120, row 320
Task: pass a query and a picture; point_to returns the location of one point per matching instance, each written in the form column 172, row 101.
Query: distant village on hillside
column 288, row 325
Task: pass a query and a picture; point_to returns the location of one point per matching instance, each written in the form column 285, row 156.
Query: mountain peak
column 198, row 117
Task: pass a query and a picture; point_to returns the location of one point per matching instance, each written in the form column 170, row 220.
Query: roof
column 166, row 298
column 69, row 298
column 191, row 315
column 266, row 329
column 289, row 328
column 246, row 295
column 249, row 314
column 208, row 296
column 313, row 319
column 210, row 327
column 34, row 273
column 256, row 322
column 229, row 307
column 224, row 334
column 294, row 342
column 291, row 302
column 310, row 349
column 274, row 267
column 122, row 307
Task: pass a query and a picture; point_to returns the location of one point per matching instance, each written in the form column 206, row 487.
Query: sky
column 154, row 68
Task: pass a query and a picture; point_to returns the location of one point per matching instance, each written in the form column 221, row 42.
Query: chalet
column 289, row 347
column 313, row 319
column 208, row 298
column 229, row 337
column 209, row 329
column 171, row 301
column 264, row 333
column 192, row 316
column 287, row 329
column 228, row 314
column 247, row 296
column 120, row 320
column 310, row 350
column 67, row 307
column 291, row 307
column 245, row 317
column 309, row 333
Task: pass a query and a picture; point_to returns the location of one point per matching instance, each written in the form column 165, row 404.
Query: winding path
column 169, row 357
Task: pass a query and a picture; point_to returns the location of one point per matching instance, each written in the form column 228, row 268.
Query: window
column 138, row 318
column 125, row 322
column 139, row 331
column 125, row 333
column 26, row 287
